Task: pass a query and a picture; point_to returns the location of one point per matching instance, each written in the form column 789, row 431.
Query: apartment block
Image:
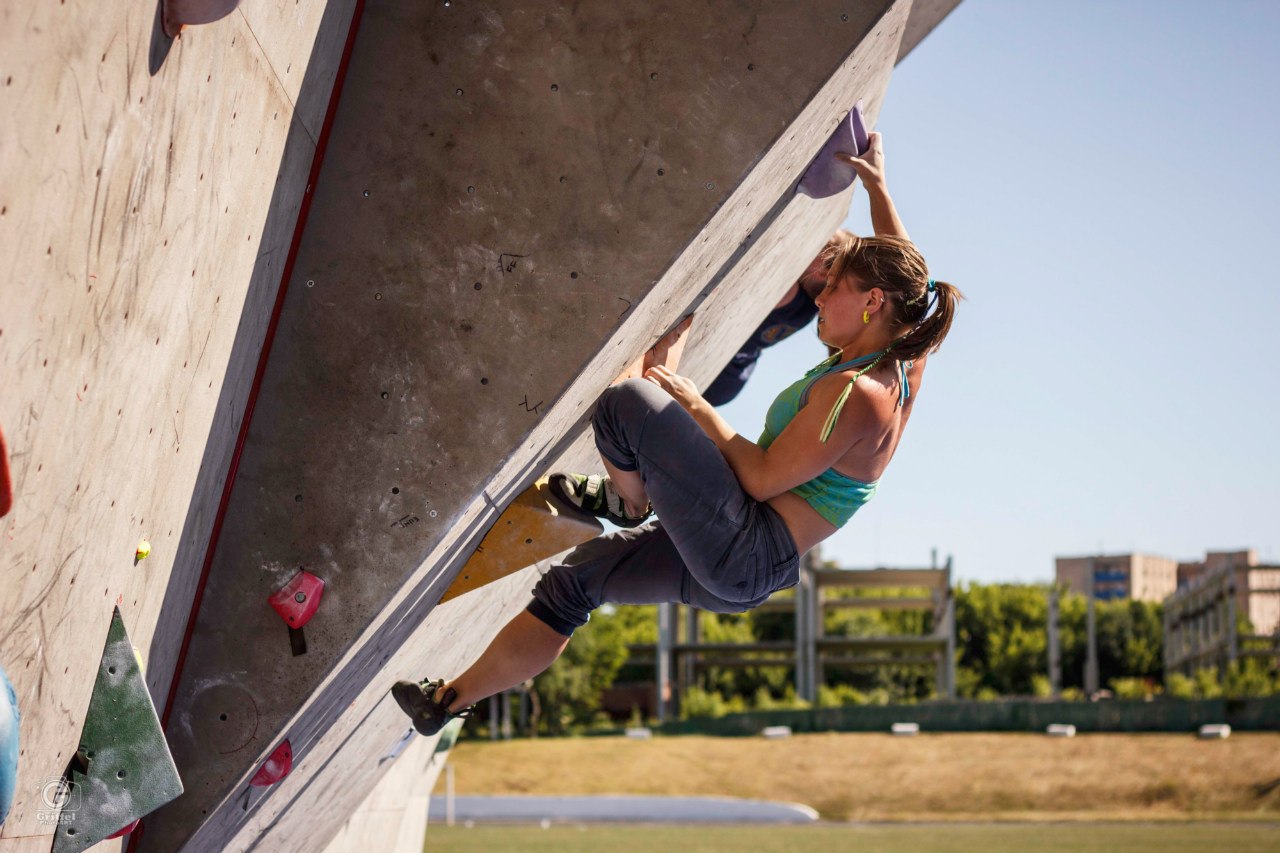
column 1143, row 577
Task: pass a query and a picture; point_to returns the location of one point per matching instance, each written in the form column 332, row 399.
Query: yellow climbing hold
column 535, row 526
column 144, row 550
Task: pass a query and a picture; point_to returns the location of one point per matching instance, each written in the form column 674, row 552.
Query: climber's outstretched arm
column 870, row 169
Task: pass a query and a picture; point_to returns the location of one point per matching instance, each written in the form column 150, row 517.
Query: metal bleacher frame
column 812, row 652
column 1200, row 624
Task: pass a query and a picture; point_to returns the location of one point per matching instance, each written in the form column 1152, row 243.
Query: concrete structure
column 511, row 200
column 1201, row 620
column 393, row 817
column 1192, row 570
column 1257, row 586
column 1200, row 625
column 1141, row 577
column 928, row 590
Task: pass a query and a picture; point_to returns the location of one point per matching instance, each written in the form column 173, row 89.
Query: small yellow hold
column 144, row 550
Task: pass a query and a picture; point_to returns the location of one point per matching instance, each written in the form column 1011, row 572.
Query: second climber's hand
column 870, row 165
column 681, row 388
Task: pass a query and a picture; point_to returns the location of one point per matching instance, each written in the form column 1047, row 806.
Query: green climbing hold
column 123, row 769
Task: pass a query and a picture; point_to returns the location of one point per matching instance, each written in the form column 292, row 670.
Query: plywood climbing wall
column 148, row 195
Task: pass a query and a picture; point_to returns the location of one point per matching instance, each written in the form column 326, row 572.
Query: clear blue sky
column 1102, row 180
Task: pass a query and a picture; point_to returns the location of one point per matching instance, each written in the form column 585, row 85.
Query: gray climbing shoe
column 417, row 699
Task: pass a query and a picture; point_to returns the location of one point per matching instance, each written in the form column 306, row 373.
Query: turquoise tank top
column 834, row 496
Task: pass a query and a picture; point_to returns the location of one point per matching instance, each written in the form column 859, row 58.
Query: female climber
column 733, row 516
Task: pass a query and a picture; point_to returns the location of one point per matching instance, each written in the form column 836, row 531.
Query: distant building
column 1142, row 577
column 1257, row 587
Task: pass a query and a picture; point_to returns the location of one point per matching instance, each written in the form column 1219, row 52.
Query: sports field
column 827, row 838
column 1155, row 778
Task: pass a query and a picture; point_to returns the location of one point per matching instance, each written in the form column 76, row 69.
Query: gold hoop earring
column 866, row 317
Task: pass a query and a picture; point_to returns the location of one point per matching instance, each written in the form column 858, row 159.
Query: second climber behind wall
column 795, row 310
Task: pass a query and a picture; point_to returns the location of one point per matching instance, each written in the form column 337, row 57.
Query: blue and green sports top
column 834, row 496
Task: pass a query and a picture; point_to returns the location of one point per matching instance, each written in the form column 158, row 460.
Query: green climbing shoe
column 595, row 495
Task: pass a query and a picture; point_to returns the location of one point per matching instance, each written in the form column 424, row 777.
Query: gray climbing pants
column 713, row 545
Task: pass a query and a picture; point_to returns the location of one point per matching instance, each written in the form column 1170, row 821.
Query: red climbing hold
column 128, row 829
column 297, row 602
column 6, row 485
column 274, row 768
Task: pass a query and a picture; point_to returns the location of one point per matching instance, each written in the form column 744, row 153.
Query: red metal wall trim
column 316, row 162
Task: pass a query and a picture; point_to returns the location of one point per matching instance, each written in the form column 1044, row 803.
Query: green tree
column 744, row 682
column 1001, row 637
column 569, row 692
column 1130, row 640
column 1250, row 677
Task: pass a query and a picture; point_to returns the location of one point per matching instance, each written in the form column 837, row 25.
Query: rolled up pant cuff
column 556, row 623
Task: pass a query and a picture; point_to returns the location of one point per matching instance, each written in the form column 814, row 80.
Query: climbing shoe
column 595, row 495
column 418, row 700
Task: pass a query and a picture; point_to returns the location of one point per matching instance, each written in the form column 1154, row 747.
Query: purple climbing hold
column 826, row 175
column 180, row 13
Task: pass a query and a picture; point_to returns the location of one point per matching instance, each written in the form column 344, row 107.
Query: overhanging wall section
column 514, row 202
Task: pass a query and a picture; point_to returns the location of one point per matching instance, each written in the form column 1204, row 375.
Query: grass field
column 927, row 838
column 932, row 777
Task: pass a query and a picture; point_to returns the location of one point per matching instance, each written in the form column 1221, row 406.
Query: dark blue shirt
column 782, row 322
